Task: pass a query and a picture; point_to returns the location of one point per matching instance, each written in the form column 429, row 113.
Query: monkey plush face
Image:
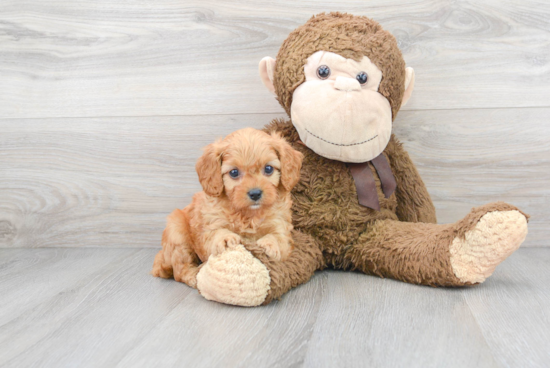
column 342, row 80
column 338, row 111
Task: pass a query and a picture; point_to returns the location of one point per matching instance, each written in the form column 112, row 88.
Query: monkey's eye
column 268, row 170
column 234, row 173
column 323, row 72
column 362, row 77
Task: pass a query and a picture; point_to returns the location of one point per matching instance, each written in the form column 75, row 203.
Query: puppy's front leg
column 219, row 240
column 276, row 246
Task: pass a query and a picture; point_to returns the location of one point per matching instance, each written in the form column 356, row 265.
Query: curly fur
column 224, row 215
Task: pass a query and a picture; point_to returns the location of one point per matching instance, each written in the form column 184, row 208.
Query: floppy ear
column 291, row 162
column 209, row 169
column 267, row 69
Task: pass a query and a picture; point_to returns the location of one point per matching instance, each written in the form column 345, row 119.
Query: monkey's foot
column 234, row 277
column 498, row 234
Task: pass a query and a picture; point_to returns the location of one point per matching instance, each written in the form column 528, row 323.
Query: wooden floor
column 100, row 308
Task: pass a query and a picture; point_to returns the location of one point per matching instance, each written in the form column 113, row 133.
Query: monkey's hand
column 276, row 247
column 234, row 277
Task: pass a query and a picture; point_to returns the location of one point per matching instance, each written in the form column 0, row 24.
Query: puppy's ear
column 209, row 169
column 291, row 162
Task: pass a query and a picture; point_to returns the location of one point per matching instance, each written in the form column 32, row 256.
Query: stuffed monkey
column 360, row 203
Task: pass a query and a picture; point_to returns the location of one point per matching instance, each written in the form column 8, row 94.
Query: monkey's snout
column 347, row 84
column 255, row 194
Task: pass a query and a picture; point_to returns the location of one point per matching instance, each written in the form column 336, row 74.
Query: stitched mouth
column 341, row 145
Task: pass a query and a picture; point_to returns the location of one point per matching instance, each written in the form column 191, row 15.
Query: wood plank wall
column 104, row 106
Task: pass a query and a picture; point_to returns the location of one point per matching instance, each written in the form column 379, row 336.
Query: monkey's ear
column 267, row 69
column 409, row 85
column 209, row 169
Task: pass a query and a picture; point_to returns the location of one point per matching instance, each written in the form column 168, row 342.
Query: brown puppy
column 247, row 178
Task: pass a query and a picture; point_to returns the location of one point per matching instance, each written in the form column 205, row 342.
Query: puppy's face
column 253, row 168
column 251, row 174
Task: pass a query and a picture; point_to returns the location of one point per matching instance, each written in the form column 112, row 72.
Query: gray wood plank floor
column 100, row 307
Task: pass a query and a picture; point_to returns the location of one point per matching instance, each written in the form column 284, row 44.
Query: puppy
column 246, row 179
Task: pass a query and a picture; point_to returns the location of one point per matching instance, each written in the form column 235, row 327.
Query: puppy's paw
column 227, row 241
column 273, row 249
column 285, row 251
column 160, row 268
column 232, row 240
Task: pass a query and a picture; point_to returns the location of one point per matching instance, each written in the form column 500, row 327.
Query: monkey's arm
column 304, row 260
column 248, row 277
column 413, row 200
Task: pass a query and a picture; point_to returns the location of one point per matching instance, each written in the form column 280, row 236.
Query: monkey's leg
column 462, row 253
column 249, row 278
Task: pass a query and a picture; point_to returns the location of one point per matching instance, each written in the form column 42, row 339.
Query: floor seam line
column 257, row 113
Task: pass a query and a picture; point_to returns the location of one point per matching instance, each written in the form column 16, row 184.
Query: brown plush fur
column 400, row 241
column 304, row 260
column 349, row 36
column 325, row 200
column 224, row 215
column 417, row 252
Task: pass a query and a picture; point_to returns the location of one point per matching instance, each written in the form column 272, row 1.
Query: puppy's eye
column 362, row 78
column 323, row 72
column 234, row 173
column 268, row 170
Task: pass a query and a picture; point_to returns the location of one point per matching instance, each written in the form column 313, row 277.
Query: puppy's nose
column 255, row 194
column 347, row 84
